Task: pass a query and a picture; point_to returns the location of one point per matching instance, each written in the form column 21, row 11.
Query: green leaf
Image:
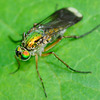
column 18, row 16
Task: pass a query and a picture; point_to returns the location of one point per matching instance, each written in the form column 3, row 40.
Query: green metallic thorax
column 37, row 39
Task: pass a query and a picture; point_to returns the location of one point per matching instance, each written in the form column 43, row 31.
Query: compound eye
column 25, row 55
column 18, row 51
column 22, row 53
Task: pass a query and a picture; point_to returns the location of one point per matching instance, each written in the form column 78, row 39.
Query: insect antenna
column 18, row 66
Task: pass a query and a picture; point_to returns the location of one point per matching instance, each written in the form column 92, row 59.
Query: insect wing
column 64, row 17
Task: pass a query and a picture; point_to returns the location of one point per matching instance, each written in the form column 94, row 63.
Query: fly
column 34, row 42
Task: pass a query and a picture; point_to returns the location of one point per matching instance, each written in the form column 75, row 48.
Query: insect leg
column 36, row 59
column 15, row 41
column 23, row 36
column 46, row 54
column 52, row 45
column 77, row 37
column 18, row 66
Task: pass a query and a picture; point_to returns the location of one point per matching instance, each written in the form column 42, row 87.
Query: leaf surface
column 82, row 54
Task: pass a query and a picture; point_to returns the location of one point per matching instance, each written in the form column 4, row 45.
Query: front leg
column 36, row 60
column 24, row 35
column 17, row 67
column 16, row 41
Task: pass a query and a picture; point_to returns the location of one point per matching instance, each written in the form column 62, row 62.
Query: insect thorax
column 36, row 40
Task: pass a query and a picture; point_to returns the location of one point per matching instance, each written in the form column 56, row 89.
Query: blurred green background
column 18, row 16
